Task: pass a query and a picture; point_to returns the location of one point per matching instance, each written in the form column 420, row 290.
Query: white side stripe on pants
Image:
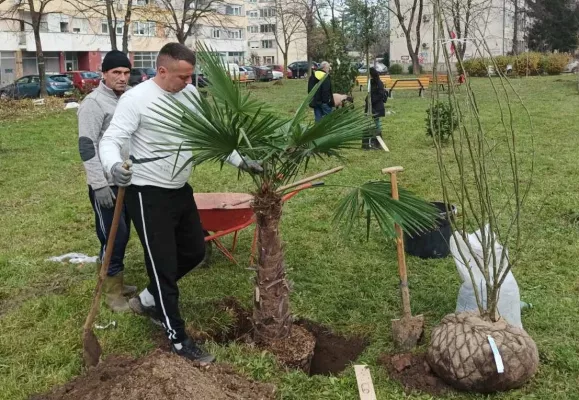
column 172, row 333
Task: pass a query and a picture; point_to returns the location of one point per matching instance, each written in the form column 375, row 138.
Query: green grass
column 349, row 283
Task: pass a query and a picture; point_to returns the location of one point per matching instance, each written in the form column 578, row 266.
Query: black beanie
column 115, row 59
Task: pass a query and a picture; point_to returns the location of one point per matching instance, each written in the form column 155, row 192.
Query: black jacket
column 377, row 94
column 324, row 95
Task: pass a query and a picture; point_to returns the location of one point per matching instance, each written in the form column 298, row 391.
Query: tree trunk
column 112, row 27
column 309, row 31
column 285, row 62
column 271, row 313
column 39, row 54
column 516, row 28
column 127, row 27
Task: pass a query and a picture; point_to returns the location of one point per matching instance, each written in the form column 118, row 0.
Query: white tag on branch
column 497, row 355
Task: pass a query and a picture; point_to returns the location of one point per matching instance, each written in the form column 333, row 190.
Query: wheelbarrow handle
column 310, row 179
column 308, row 185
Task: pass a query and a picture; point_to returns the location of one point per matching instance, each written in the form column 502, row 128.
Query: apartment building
column 262, row 26
column 492, row 22
column 73, row 40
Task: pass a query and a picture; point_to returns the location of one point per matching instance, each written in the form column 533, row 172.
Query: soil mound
column 159, row 375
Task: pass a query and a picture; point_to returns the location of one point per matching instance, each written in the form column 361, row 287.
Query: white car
column 277, row 75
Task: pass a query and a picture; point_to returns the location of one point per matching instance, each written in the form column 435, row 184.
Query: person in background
column 94, row 115
column 161, row 204
column 323, row 100
column 376, row 100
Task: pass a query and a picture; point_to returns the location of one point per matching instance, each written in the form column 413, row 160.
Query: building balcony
column 67, row 41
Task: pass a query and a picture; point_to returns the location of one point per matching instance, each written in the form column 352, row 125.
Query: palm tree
column 229, row 120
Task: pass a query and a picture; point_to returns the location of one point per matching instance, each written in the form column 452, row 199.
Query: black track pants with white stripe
column 103, row 222
column 169, row 227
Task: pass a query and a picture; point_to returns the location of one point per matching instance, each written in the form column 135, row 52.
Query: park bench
column 420, row 84
column 362, row 80
column 244, row 79
column 441, row 80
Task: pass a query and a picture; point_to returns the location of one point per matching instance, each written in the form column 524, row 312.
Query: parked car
column 84, row 81
column 199, row 81
column 279, row 68
column 299, row 69
column 29, row 87
column 263, row 73
column 139, row 75
column 381, row 68
column 248, row 71
column 572, row 67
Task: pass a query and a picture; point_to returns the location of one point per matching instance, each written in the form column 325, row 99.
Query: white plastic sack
column 74, row 258
column 509, row 306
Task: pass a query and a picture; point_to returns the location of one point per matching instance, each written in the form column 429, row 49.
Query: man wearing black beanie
column 94, row 116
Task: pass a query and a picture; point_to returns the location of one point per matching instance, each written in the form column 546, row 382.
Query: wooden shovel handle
column 107, row 259
column 400, row 244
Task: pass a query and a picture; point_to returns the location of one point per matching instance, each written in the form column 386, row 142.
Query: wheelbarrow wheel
column 206, row 263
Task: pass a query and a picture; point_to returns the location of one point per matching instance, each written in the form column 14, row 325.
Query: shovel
column 91, row 348
column 407, row 330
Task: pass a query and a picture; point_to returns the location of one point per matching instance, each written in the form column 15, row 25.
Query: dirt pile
column 159, row 375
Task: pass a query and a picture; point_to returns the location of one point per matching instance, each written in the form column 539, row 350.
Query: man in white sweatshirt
column 161, row 205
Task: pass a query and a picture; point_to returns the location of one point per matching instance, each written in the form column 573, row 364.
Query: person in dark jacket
column 377, row 99
column 323, row 100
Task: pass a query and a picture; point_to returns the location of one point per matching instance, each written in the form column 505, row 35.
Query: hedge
column 531, row 63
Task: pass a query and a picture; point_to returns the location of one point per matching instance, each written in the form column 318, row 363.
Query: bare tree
column 287, row 27
column 410, row 19
column 116, row 12
column 181, row 17
column 306, row 11
column 37, row 10
column 465, row 16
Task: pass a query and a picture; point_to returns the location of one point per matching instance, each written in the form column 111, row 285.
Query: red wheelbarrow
column 225, row 213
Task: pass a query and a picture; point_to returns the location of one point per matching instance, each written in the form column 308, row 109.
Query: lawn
column 347, row 283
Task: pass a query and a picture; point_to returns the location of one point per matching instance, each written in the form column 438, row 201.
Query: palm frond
column 413, row 214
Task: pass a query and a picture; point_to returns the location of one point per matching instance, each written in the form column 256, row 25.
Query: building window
column 141, row 28
column 267, row 28
column 64, row 26
column 254, row 45
column 145, row 59
column 253, row 29
column 120, row 27
column 142, row 2
column 233, row 10
column 268, row 60
column 253, row 14
column 216, row 33
column 105, row 27
column 80, row 25
column 234, row 34
column 267, row 44
column 267, row 12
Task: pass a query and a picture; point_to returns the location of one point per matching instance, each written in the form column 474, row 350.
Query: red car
column 84, row 81
column 279, row 68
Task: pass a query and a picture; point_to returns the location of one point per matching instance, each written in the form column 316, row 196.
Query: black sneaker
column 140, row 309
column 191, row 351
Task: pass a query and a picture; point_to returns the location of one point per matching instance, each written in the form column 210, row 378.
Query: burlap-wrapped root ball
column 461, row 355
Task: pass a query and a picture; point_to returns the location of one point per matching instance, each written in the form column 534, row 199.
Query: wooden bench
column 244, row 79
column 441, row 80
column 420, row 84
column 362, row 80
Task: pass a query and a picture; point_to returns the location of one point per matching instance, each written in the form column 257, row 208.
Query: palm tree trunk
column 271, row 313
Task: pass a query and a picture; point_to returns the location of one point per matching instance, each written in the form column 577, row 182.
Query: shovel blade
column 407, row 331
column 91, row 349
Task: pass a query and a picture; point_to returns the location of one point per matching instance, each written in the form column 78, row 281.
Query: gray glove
column 105, row 197
column 121, row 176
column 251, row 166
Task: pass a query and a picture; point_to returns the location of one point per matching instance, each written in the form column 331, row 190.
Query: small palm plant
column 229, row 120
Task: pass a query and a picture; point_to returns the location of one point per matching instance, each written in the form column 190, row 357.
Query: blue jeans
column 321, row 111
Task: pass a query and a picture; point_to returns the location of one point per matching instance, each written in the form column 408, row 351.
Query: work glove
column 122, row 176
column 105, row 197
column 251, row 166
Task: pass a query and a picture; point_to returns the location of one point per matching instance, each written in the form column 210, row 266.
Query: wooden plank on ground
column 365, row 385
column 382, row 143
